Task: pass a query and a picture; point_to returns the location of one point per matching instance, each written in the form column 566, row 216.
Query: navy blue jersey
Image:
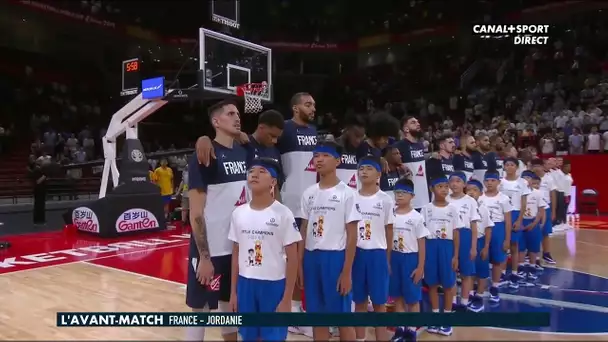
column 257, row 150
column 495, row 162
column 464, row 163
column 437, row 167
column 388, row 180
column 296, row 145
column 480, row 165
column 365, row 149
column 347, row 170
column 224, row 181
column 412, row 155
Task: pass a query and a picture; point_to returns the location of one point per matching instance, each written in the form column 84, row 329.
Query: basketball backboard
column 226, row 12
column 227, row 62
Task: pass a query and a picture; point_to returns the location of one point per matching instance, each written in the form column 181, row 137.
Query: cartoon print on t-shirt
column 320, row 226
column 258, row 253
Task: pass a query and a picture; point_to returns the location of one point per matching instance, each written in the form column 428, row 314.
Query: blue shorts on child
column 401, row 284
column 370, row 276
column 547, row 229
column 466, row 266
column 260, row 296
column 322, row 271
column 531, row 239
column 497, row 252
column 482, row 267
column 438, row 263
column 515, row 235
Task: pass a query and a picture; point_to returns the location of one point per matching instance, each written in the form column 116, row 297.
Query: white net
column 253, row 94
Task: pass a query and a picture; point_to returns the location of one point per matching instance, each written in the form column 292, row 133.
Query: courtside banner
column 182, row 319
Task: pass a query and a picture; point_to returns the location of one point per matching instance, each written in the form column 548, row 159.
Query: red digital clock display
column 132, row 66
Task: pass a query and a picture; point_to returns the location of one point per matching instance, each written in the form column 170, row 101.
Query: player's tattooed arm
column 197, row 200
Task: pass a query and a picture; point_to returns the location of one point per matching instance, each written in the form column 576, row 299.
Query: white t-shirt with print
column 328, row 211
column 484, row 221
column 515, row 189
column 441, row 221
column 498, row 205
column 377, row 212
column 534, row 203
column 467, row 208
column 262, row 236
column 547, row 184
column 407, row 229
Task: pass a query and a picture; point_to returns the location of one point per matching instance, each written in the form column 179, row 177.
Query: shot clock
column 131, row 77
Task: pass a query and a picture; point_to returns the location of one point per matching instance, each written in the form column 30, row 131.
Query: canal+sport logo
column 520, row 34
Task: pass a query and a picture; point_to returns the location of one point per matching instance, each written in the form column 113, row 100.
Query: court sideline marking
column 94, row 259
column 91, row 262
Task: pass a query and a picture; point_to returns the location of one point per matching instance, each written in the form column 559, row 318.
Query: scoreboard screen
column 131, row 77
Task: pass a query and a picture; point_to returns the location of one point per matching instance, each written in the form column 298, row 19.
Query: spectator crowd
column 548, row 99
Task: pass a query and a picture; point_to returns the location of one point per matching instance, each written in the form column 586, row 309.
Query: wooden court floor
column 96, row 277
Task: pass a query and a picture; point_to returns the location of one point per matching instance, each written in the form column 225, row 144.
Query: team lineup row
column 355, row 244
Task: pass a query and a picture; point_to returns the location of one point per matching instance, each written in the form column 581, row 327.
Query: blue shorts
column 547, row 229
column 515, row 235
column 531, row 239
column 167, row 199
column 401, row 284
column 260, row 296
column 482, row 267
column 466, row 266
column 438, row 264
column 321, row 271
column 497, row 253
column 370, row 276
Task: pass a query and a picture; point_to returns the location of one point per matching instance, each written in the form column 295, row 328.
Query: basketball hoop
column 253, row 93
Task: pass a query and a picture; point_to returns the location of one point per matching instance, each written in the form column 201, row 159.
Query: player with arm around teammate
column 329, row 253
column 484, row 236
column 372, row 260
column 442, row 246
column 407, row 257
column 214, row 191
column 263, row 282
column 534, row 219
column 499, row 207
column 467, row 208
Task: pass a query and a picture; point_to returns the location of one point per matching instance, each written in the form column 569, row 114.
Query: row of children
column 467, row 227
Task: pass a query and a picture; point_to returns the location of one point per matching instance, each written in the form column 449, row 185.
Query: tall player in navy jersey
column 214, row 190
column 482, row 158
column 463, row 160
column 497, row 154
column 412, row 156
column 353, row 136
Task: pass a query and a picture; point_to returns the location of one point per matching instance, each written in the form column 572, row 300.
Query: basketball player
column 467, row 207
column 499, row 207
column 214, row 191
column 379, row 129
column 394, row 169
column 164, row 178
column 549, row 191
column 407, row 257
column 371, row 265
column 478, row 156
column 484, row 236
column 463, row 161
column 444, row 164
column 263, row 283
column 295, row 145
column 350, row 140
column 497, row 154
column 442, row 246
column 534, row 217
column 329, row 253
column 518, row 190
column 412, row 156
